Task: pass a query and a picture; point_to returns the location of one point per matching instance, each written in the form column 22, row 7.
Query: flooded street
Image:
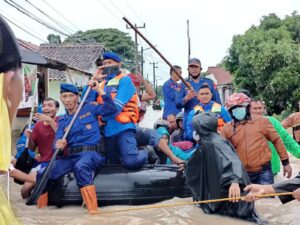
column 270, row 209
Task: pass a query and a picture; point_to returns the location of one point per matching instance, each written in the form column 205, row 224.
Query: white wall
column 54, row 92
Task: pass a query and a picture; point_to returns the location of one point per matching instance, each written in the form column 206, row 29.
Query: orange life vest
column 130, row 111
column 216, row 108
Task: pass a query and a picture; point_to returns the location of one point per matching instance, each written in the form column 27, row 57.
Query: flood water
column 270, row 209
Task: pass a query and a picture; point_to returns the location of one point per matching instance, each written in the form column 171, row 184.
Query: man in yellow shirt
column 11, row 88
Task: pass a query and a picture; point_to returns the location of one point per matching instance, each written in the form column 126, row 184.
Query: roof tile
column 222, row 76
column 77, row 55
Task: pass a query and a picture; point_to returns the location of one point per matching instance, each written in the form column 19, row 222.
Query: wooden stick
column 158, row 52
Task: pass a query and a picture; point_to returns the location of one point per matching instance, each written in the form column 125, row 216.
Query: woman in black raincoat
column 215, row 171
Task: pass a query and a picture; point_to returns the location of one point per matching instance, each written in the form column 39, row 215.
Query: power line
column 61, row 14
column 34, row 17
column 133, row 11
column 119, row 10
column 114, row 15
column 19, row 22
column 52, row 19
column 22, row 28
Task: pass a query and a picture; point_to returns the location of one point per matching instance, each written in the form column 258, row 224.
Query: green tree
column 266, row 61
column 54, row 39
column 112, row 39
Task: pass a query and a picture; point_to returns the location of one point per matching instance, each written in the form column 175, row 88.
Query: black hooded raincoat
column 212, row 169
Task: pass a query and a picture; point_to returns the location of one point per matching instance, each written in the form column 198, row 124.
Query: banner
column 29, row 76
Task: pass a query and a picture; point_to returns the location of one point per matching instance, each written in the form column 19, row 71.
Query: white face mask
column 239, row 113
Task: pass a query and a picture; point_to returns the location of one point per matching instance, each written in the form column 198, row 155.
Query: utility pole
column 189, row 41
column 136, row 47
column 154, row 78
column 142, row 60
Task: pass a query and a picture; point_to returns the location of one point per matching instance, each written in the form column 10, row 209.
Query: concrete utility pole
column 136, row 47
column 142, row 60
column 154, row 78
column 189, row 41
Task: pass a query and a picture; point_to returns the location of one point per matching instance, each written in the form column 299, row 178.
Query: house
column 57, row 63
column 70, row 63
column 80, row 60
column 223, row 79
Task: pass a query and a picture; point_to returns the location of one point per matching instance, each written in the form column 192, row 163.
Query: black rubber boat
column 117, row 185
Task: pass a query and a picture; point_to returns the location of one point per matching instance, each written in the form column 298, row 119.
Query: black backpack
column 24, row 163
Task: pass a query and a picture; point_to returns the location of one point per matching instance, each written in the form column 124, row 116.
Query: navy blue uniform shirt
column 85, row 130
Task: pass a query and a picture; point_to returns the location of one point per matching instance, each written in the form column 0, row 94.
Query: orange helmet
column 237, row 99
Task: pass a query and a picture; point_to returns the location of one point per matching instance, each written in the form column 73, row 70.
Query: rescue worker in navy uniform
column 120, row 127
column 170, row 88
column 205, row 105
column 186, row 98
column 82, row 143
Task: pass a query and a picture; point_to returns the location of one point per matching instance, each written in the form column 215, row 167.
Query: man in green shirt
column 257, row 109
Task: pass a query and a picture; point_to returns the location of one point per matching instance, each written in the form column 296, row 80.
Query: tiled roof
column 77, row 56
column 222, row 76
column 57, row 74
column 29, row 53
column 28, row 45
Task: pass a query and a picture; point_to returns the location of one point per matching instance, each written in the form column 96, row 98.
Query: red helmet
column 237, row 99
column 135, row 80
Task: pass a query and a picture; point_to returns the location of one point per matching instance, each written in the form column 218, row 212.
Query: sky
column 212, row 24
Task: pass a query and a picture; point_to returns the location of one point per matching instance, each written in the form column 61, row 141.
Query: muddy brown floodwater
column 270, row 209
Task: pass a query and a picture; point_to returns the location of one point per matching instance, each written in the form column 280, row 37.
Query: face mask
column 111, row 70
column 195, row 77
column 239, row 113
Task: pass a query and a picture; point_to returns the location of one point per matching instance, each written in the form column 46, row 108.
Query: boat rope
column 191, row 203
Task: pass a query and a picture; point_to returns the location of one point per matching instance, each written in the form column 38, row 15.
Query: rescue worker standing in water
column 82, row 143
column 120, row 127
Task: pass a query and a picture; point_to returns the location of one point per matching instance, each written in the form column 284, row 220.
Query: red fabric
column 184, row 145
column 135, row 80
column 43, row 137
